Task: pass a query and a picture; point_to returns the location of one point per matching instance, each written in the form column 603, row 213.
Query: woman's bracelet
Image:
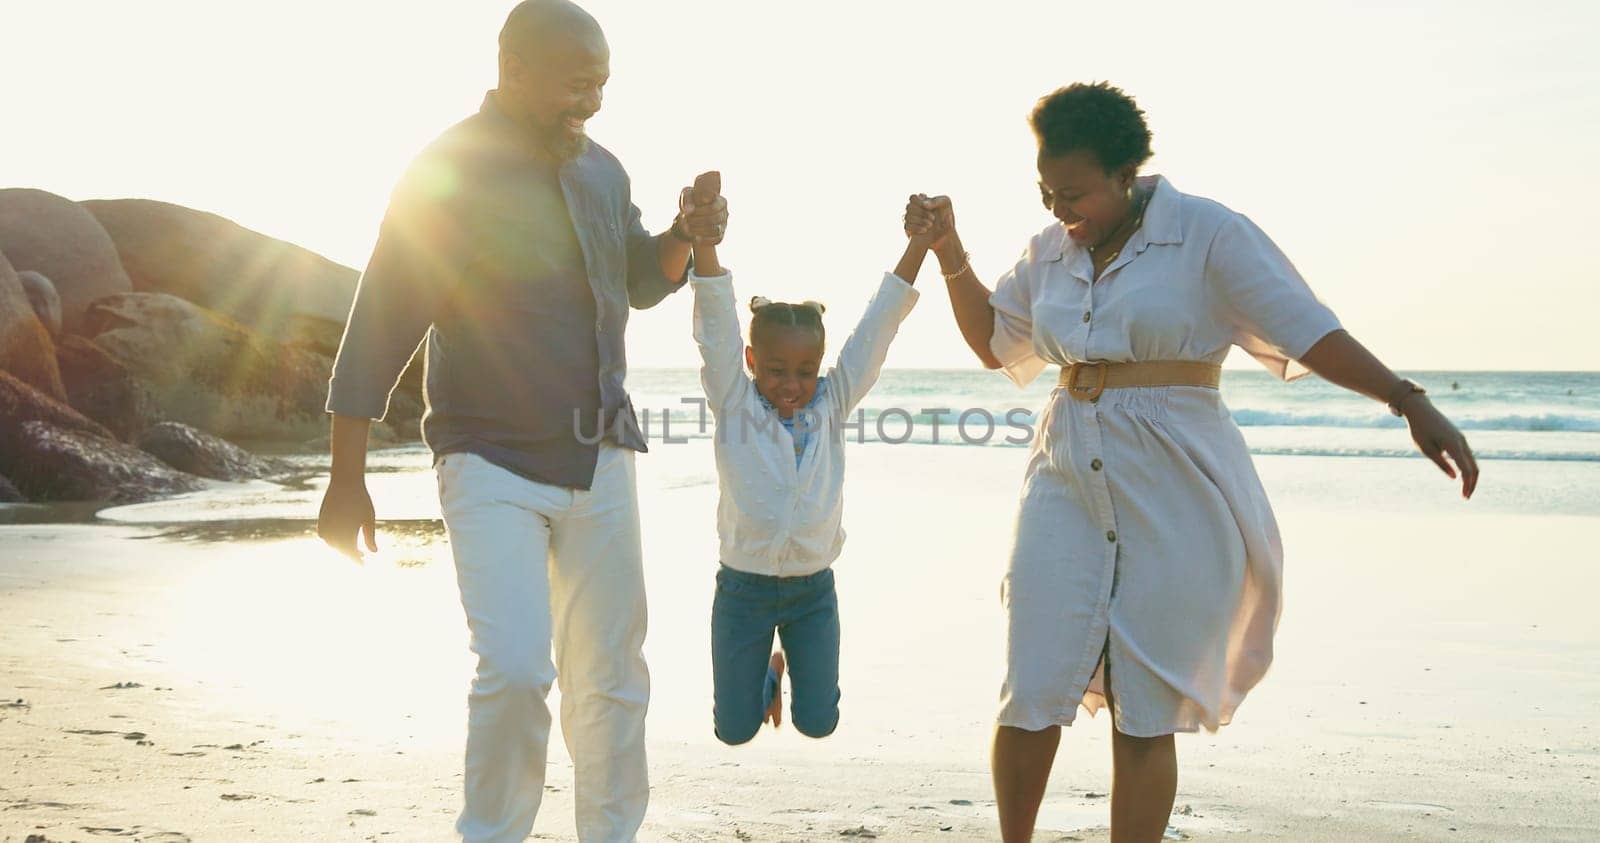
column 966, row 264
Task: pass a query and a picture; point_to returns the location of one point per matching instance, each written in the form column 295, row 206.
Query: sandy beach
column 202, row 669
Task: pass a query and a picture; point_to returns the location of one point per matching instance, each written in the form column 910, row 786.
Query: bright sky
column 1428, row 166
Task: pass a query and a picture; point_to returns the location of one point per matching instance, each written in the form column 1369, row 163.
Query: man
column 512, row 245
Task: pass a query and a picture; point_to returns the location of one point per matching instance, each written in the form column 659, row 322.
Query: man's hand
column 347, row 510
column 702, row 213
column 346, row 506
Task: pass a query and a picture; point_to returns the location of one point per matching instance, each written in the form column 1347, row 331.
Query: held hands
column 1437, row 437
column 930, row 222
column 702, row 212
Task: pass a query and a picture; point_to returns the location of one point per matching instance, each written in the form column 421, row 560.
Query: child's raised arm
column 862, row 356
column 716, row 320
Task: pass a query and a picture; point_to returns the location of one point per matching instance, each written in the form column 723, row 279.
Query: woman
column 1146, row 568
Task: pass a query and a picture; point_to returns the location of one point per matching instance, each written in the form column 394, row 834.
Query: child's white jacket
column 773, row 518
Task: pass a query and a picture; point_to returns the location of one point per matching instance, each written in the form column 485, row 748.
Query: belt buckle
column 1085, row 393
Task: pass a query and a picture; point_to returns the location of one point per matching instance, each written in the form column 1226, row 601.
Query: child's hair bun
column 767, row 315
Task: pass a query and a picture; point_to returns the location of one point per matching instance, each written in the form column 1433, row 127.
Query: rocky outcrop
column 199, row 453
column 33, row 428
column 100, row 387
column 20, row 403
column 61, row 240
column 206, row 370
column 44, row 299
column 51, row 463
column 25, row 347
column 258, row 281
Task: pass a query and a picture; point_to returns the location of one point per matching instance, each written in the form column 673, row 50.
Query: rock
column 195, row 452
column 258, row 281
column 61, row 240
column 100, row 387
column 45, row 300
column 208, row 371
column 313, row 333
column 21, row 403
column 25, row 347
column 51, row 463
column 9, row 493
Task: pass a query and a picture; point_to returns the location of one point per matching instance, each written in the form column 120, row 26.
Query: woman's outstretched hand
column 1438, row 438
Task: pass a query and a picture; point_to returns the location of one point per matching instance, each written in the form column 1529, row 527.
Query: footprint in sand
column 24, row 804
column 127, row 736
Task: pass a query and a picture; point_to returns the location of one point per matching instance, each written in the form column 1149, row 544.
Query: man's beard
column 562, row 145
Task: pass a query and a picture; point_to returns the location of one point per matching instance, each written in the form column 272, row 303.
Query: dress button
column 1086, row 316
column 1111, row 535
column 1097, row 465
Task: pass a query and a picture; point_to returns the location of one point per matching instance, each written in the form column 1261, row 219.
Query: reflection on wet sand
column 410, row 533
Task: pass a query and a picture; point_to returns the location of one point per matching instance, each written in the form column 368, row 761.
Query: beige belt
column 1085, row 381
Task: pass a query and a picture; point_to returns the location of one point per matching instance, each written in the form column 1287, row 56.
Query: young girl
column 780, row 462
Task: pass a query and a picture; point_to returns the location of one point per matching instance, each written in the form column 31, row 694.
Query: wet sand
column 201, row 669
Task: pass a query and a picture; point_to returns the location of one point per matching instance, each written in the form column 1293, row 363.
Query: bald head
column 535, row 27
column 554, row 64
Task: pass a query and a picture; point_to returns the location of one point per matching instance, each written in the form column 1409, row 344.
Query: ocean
column 1505, row 415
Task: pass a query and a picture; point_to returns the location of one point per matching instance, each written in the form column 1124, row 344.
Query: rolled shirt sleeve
column 1012, row 339
column 1275, row 315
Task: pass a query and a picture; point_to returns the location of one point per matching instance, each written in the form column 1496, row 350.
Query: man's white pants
column 541, row 565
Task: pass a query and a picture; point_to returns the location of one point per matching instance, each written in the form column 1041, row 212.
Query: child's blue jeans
column 804, row 611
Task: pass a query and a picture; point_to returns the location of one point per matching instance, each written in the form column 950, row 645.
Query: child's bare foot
column 775, row 710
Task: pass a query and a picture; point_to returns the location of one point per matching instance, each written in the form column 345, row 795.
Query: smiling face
column 1089, row 201
column 555, row 87
column 784, row 366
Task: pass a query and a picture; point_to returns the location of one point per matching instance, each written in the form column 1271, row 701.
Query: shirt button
column 1097, row 465
column 1086, row 316
column 1111, row 535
